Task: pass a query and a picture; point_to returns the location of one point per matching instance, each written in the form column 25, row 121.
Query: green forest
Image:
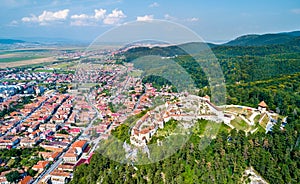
column 275, row 156
column 252, row 73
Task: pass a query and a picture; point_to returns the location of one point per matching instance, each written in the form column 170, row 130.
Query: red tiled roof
column 81, row 161
column 80, row 144
column 262, row 104
column 41, row 165
column 26, row 180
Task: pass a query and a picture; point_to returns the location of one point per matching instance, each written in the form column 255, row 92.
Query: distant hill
column 10, row 41
column 33, row 41
column 168, row 51
column 248, row 58
column 256, row 45
column 265, row 39
column 294, row 33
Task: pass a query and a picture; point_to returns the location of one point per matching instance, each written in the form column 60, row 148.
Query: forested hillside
column 265, row 39
column 253, row 73
column 275, row 156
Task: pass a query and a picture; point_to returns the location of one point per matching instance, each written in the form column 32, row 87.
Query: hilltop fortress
column 186, row 109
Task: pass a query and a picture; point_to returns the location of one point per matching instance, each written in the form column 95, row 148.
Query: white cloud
column 193, row 19
column 13, row 23
column 154, row 5
column 54, row 16
column 32, row 18
column 114, row 17
column 296, row 11
column 100, row 14
column 82, row 20
column 145, row 18
column 81, row 16
column 47, row 16
column 88, row 20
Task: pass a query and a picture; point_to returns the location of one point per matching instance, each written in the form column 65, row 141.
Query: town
column 59, row 116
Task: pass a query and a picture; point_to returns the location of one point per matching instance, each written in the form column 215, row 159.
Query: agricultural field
column 23, row 57
column 36, row 56
column 25, row 61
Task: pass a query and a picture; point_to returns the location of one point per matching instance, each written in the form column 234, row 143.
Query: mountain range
column 245, row 40
column 265, row 39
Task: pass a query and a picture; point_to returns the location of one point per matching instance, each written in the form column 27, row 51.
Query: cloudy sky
column 84, row 20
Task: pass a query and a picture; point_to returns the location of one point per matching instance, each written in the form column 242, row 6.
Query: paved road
column 135, row 107
column 96, row 141
column 60, row 158
column 48, row 171
column 95, row 118
column 91, row 123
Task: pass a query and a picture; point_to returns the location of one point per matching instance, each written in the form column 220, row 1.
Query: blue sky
column 213, row 20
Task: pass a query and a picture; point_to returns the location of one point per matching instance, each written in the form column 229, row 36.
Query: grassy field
column 256, row 119
column 10, row 55
column 64, row 65
column 24, row 57
column 33, row 57
column 264, row 121
column 21, row 58
column 239, row 124
column 136, row 73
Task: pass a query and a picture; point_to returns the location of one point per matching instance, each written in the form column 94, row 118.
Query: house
column 262, row 106
column 45, row 155
column 46, row 133
column 34, row 134
column 79, row 146
column 60, row 177
column 54, row 156
column 74, row 131
column 68, row 167
column 40, row 166
column 49, row 126
column 49, row 156
column 62, row 136
column 57, row 120
column 33, row 127
column 3, row 180
column 26, row 180
column 71, row 156
column 54, row 146
column 29, row 143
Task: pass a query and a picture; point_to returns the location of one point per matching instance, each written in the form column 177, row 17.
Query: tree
column 13, row 176
column 32, row 172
